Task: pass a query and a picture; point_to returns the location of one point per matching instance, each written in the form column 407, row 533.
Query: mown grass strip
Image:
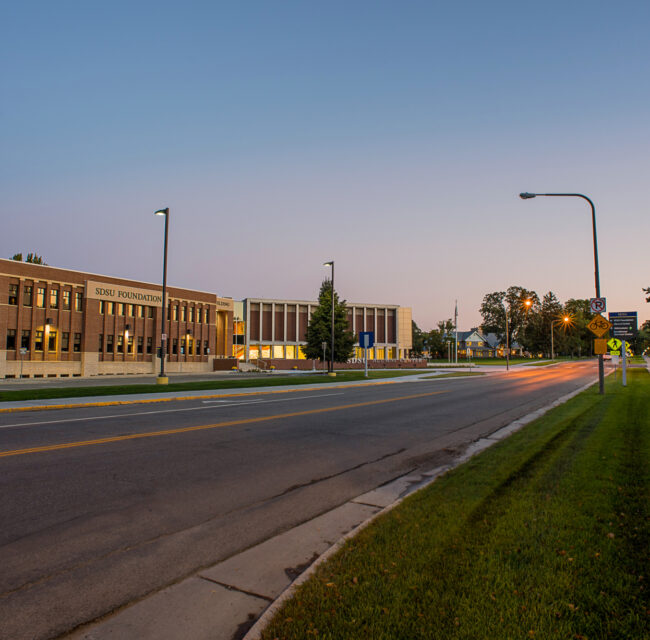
column 242, row 383
column 544, row 535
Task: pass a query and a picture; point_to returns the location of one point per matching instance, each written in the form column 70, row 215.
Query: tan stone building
column 63, row 323
column 277, row 329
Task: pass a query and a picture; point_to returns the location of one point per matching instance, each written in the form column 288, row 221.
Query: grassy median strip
column 544, row 535
column 264, row 380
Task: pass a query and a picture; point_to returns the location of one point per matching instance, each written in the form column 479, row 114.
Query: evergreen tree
column 31, row 257
column 320, row 328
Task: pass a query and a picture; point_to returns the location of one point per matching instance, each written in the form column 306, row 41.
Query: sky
column 390, row 137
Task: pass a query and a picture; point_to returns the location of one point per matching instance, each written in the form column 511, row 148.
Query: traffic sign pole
column 366, row 361
column 624, row 362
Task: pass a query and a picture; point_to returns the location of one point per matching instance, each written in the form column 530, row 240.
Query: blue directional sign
column 624, row 324
column 366, row 339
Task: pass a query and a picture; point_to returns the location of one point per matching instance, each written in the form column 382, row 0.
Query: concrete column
column 284, row 330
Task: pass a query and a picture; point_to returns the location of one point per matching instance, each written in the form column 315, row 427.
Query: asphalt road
column 101, row 506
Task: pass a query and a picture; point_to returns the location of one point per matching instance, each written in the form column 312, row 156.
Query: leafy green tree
column 418, row 339
column 31, row 257
column 320, row 328
column 513, row 302
column 537, row 331
column 647, row 291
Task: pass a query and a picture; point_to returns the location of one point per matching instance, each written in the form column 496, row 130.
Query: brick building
column 58, row 322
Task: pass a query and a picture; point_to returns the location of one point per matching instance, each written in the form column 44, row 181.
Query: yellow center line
column 112, row 403
column 230, row 423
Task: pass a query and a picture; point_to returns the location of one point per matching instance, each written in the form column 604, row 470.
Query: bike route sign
column 599, row 326
column 624, row 324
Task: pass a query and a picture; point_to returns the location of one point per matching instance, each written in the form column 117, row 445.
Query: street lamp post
column 162, row 379
column 505, row 310
column 331, row 364
column 553, row 323
column 528, row 196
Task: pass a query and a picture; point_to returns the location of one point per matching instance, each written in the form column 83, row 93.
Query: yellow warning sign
column 600, row 346
column 599, row 326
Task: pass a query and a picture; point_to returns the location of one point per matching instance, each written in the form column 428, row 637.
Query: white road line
column 146, row 413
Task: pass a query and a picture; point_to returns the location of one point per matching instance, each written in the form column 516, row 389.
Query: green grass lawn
column 207, row 385
column 544, row 535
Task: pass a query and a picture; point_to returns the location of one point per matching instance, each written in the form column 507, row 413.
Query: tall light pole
column 505, row 311
column 528, row 196
column 162, row 379
column 566, row 320
column 331, row 365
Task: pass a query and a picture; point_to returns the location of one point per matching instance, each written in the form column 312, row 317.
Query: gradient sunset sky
column 392, row 137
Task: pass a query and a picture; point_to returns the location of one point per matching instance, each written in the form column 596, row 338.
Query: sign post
column 324, row 345
column 366, row 340
column 624, row 329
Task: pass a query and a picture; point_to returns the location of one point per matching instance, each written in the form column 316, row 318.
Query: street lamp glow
column 161, row 212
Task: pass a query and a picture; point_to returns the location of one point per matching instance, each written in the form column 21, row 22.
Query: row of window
column 39, row 337
column 107, row 307
column 59, row 298
column 117, row 344
column 112, row 344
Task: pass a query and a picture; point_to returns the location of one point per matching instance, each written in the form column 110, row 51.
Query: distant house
column 474, row 344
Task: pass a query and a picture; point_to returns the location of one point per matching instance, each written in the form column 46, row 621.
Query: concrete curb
column 473, row 449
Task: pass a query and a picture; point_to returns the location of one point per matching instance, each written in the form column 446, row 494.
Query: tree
column 31, row 257
column 418, row 338
column 320, row 328
column 647, row 291
column 513, row 302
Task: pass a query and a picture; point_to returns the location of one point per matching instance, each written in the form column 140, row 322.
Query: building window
column 183, row 314
column 120, row 343
column 25, row 339
column 102, row 308
column 206, row 348
column 65, row 341
column 169, row 311
column 150, row 311
column 111, row 308
column 129, row 310
column 190, row 346
column 149, row 345
column 40, row 297
column 174, row 346
column 140, row 344
column 192, row 315
column 27, row 298
column 11, row 339
column 38, row 341
column 109, row 344
column 54, row 298
column 120, row 308
column 101, row 342
column 51, row 340
column 140, row 311
column 66, row 300
column 78, row 301
column 13, row 294
column 207, row 316
column 129, row 344
column 76, row 345
column 175, row 312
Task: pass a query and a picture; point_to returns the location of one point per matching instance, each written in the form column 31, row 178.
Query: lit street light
column 528, row 196
column 162, row 379
column 566, row 321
